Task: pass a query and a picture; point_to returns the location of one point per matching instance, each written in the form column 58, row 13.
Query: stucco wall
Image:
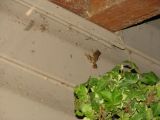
column 145, row 38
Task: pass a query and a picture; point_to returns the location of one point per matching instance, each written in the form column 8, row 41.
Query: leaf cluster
column 122, row 93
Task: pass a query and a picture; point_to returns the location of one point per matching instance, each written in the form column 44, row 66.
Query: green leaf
column 123, row 115
column 112, row 99
column 129, row 79
column 138, row 116
column 86, row 118
column 115, row 75
column 158, row 90
column 92, row 82
column 149, row 114
column 137, row 94
column 78, row 113
column 117, row 96
column 149, row 78
column 81, row 92
column 107, row 95
column 156, row 109
column 95, row 105
column 101, row 85
column 87, row 110
column 123, row 91
column 140, row 112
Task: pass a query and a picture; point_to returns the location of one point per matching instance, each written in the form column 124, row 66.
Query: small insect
column 94, row 58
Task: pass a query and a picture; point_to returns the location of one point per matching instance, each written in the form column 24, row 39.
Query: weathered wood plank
column 113, row 15
column 77, row 6
column 126, row 13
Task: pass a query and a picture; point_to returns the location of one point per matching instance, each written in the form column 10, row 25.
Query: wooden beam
column 113, row 15
column 77, row 6
column 85, row 8
column 97, row 6
column 126, row 13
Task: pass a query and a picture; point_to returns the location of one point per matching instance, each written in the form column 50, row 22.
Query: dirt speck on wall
column 29, row 25
column 43, row 27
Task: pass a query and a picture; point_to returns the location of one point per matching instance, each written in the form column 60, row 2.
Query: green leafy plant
column 122, row 93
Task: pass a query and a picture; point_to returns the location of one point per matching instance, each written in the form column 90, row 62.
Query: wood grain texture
column 126, row 13
column 113, row 15
column 77, row 6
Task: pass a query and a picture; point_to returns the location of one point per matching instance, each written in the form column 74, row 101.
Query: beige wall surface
column 43, row 56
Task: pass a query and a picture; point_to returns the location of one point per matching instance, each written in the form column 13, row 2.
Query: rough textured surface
column 145, row 38
column 40, row 61
column 96, row 6
column 126, row 13
column 86, row 8
column 77, row 6
column 113, row 15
